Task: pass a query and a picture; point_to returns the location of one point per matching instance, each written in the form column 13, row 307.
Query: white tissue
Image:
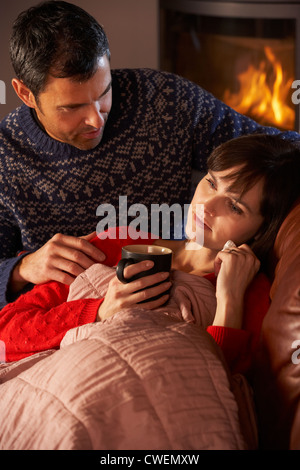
column 229, row 244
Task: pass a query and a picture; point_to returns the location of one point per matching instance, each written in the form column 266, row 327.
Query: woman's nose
column 210, row 206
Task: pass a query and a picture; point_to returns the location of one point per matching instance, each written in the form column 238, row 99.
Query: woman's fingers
column 145, row 282
column 142, row 289
column 235, row 268
column 137, row 268
column 120, row 296
column 230, row 255
column 146, row 287
column 146, row 293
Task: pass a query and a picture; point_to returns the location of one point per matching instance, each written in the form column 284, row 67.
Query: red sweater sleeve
column 39, row 319
column 239, row 346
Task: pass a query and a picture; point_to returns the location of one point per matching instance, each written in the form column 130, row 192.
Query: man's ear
column 23, row 93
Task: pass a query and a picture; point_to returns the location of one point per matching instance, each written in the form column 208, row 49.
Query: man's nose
column 94, row 117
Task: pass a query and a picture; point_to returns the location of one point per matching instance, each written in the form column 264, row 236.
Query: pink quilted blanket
column 140, row 380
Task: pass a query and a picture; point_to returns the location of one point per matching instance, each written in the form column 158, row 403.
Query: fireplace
column 246, row 53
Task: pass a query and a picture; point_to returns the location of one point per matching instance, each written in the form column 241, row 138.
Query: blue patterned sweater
column 160, row 127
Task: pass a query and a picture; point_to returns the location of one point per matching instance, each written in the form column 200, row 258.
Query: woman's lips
column 200, row 223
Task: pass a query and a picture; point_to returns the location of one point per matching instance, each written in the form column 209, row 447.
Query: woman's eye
column 234, row 208
column 211, row 183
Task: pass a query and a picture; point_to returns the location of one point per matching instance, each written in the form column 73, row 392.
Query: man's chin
column 87, row 144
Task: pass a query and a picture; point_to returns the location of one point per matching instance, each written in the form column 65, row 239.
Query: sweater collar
column 39, row 137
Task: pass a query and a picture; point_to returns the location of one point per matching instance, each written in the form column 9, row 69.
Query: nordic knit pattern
column 160, row 126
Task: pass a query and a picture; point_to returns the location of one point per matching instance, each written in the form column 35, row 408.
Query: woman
column 251, row 184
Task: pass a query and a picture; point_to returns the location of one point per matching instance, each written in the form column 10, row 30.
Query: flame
column 260, row 99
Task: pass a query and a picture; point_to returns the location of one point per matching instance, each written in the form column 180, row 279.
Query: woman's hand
column 236, row 268
column 121, row 295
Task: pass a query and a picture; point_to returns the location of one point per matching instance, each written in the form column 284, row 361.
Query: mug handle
column 120, row 269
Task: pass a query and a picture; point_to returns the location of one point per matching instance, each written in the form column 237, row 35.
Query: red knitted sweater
column 39, row 319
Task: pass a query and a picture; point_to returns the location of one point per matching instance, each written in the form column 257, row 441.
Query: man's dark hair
column 56, row 38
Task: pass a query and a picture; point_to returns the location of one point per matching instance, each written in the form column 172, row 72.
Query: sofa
column 277, row 377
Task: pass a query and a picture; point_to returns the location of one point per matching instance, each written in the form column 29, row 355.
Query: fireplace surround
column 247, row 53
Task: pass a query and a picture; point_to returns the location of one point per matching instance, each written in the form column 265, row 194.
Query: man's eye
column 68, row 108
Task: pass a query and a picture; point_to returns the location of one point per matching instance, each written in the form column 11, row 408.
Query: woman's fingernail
column 149, row 264
column 164, row 275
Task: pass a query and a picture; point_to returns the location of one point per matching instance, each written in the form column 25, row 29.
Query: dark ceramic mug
column 131, row 254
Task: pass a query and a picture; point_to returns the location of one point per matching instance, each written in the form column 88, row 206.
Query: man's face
column 76, row 112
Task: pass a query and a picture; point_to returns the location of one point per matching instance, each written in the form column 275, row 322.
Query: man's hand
column 61, row 259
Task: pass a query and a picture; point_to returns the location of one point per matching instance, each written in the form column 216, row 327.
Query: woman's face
column 216, row 214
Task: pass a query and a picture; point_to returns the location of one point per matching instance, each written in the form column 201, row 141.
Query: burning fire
column 260, row 99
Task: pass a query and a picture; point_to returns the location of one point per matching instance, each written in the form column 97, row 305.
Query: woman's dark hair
column 271, row 159
column 56, row 38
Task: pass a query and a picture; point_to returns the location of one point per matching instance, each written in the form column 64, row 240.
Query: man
column 87, row 135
